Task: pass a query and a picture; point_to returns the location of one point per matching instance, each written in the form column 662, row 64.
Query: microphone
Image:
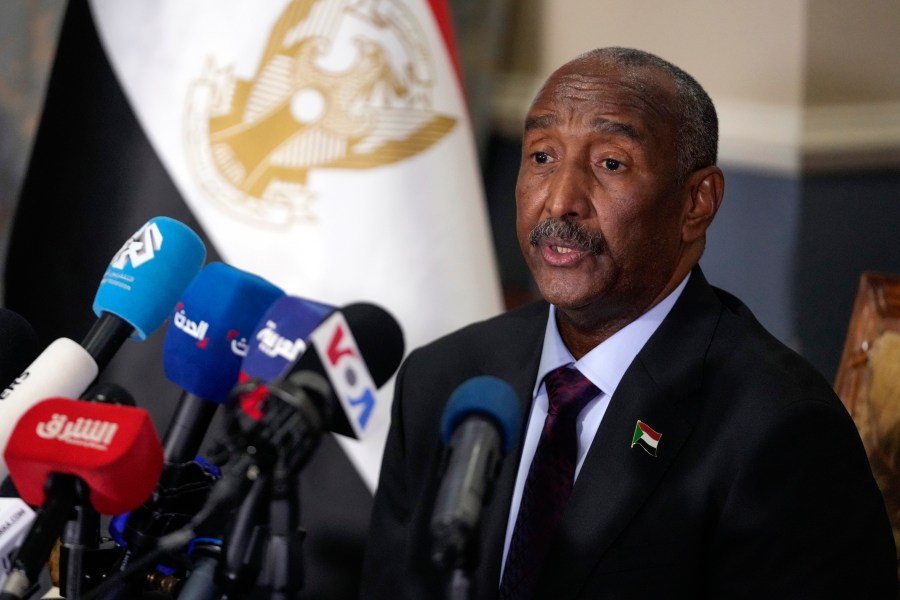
column 350, row 354
column 81, row 532
column 137, row 293
column 63, row 453
column 82, row 557
column 19, row 345
column 278, row 341
column 141, row 285
column 331, row 386
column 357, row 349
column 63, row 368
column 206, row 343
column 480, row 425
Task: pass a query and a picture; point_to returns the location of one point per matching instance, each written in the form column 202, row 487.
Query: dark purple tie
column 549, row 482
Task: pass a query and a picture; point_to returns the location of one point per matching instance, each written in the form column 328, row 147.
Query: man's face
column 599, row 156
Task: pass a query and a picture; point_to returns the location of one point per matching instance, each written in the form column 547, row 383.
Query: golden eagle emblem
column 341, row 84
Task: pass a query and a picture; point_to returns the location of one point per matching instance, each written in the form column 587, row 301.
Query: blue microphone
column 207, row 341
column 141, row 285
column 480, row 425
column 136, row 295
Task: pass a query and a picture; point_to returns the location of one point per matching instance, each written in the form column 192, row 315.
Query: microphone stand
column 62, row 493
column 182, row 490
column 282, row 574
column 84, row 556
column 80, row 538
column 237, row 570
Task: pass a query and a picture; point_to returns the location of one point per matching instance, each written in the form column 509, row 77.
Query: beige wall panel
column 854, row 52
column 752, row 51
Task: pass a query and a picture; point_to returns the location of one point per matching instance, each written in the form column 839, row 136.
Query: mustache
column 566, row 231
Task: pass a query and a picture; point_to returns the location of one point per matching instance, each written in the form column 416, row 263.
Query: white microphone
column 64, row 369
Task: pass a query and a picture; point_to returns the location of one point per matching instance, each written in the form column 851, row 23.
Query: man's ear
column 705, row 188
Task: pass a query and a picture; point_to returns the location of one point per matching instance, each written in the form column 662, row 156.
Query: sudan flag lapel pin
column 646, row 437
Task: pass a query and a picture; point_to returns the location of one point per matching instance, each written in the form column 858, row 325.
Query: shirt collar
column 606, row 364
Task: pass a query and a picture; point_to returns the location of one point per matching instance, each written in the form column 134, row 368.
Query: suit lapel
column 659, row 389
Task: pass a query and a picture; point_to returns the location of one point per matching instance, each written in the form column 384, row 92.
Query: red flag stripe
column 650, row 432
column 444, row 19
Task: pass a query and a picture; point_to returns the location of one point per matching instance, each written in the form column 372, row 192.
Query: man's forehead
column 613, row 99
column 614, row 127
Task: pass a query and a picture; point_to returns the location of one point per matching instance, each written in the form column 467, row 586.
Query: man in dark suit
column 711, row 460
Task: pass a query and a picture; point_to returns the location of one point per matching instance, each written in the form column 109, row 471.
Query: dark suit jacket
column 761, row 487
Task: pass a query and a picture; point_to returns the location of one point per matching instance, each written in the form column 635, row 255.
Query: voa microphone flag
column 323, row 145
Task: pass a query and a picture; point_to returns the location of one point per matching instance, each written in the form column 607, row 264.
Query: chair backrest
column 868, row 382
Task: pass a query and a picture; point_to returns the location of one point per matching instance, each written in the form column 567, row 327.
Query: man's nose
column 569, row 195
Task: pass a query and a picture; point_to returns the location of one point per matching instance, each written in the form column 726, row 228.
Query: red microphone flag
column 114, row 449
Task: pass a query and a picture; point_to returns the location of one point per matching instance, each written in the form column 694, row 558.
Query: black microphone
column 332, row 386
column 480, row 425
column 82, row 558
column 18, row 345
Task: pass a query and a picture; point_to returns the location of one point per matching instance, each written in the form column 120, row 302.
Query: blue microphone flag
column 280, row 336
column 211, row 329
column 147, row 275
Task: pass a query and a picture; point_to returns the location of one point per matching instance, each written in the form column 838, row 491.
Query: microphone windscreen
column 487, row 396
column 357, row 348
column 208, row 336
column 113, row 448
column 379, row 338
column 280, row 336
column 18, row 345
column 148, row 274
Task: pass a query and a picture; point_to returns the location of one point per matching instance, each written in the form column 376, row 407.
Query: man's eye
column 541, row 157
column 611, row 164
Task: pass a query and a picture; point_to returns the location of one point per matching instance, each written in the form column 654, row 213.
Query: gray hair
column 698, row 132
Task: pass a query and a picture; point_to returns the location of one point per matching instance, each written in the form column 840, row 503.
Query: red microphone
column 63, row 452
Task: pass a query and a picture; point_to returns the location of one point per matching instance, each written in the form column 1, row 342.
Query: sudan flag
column 645, row 437
column 321, row 144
